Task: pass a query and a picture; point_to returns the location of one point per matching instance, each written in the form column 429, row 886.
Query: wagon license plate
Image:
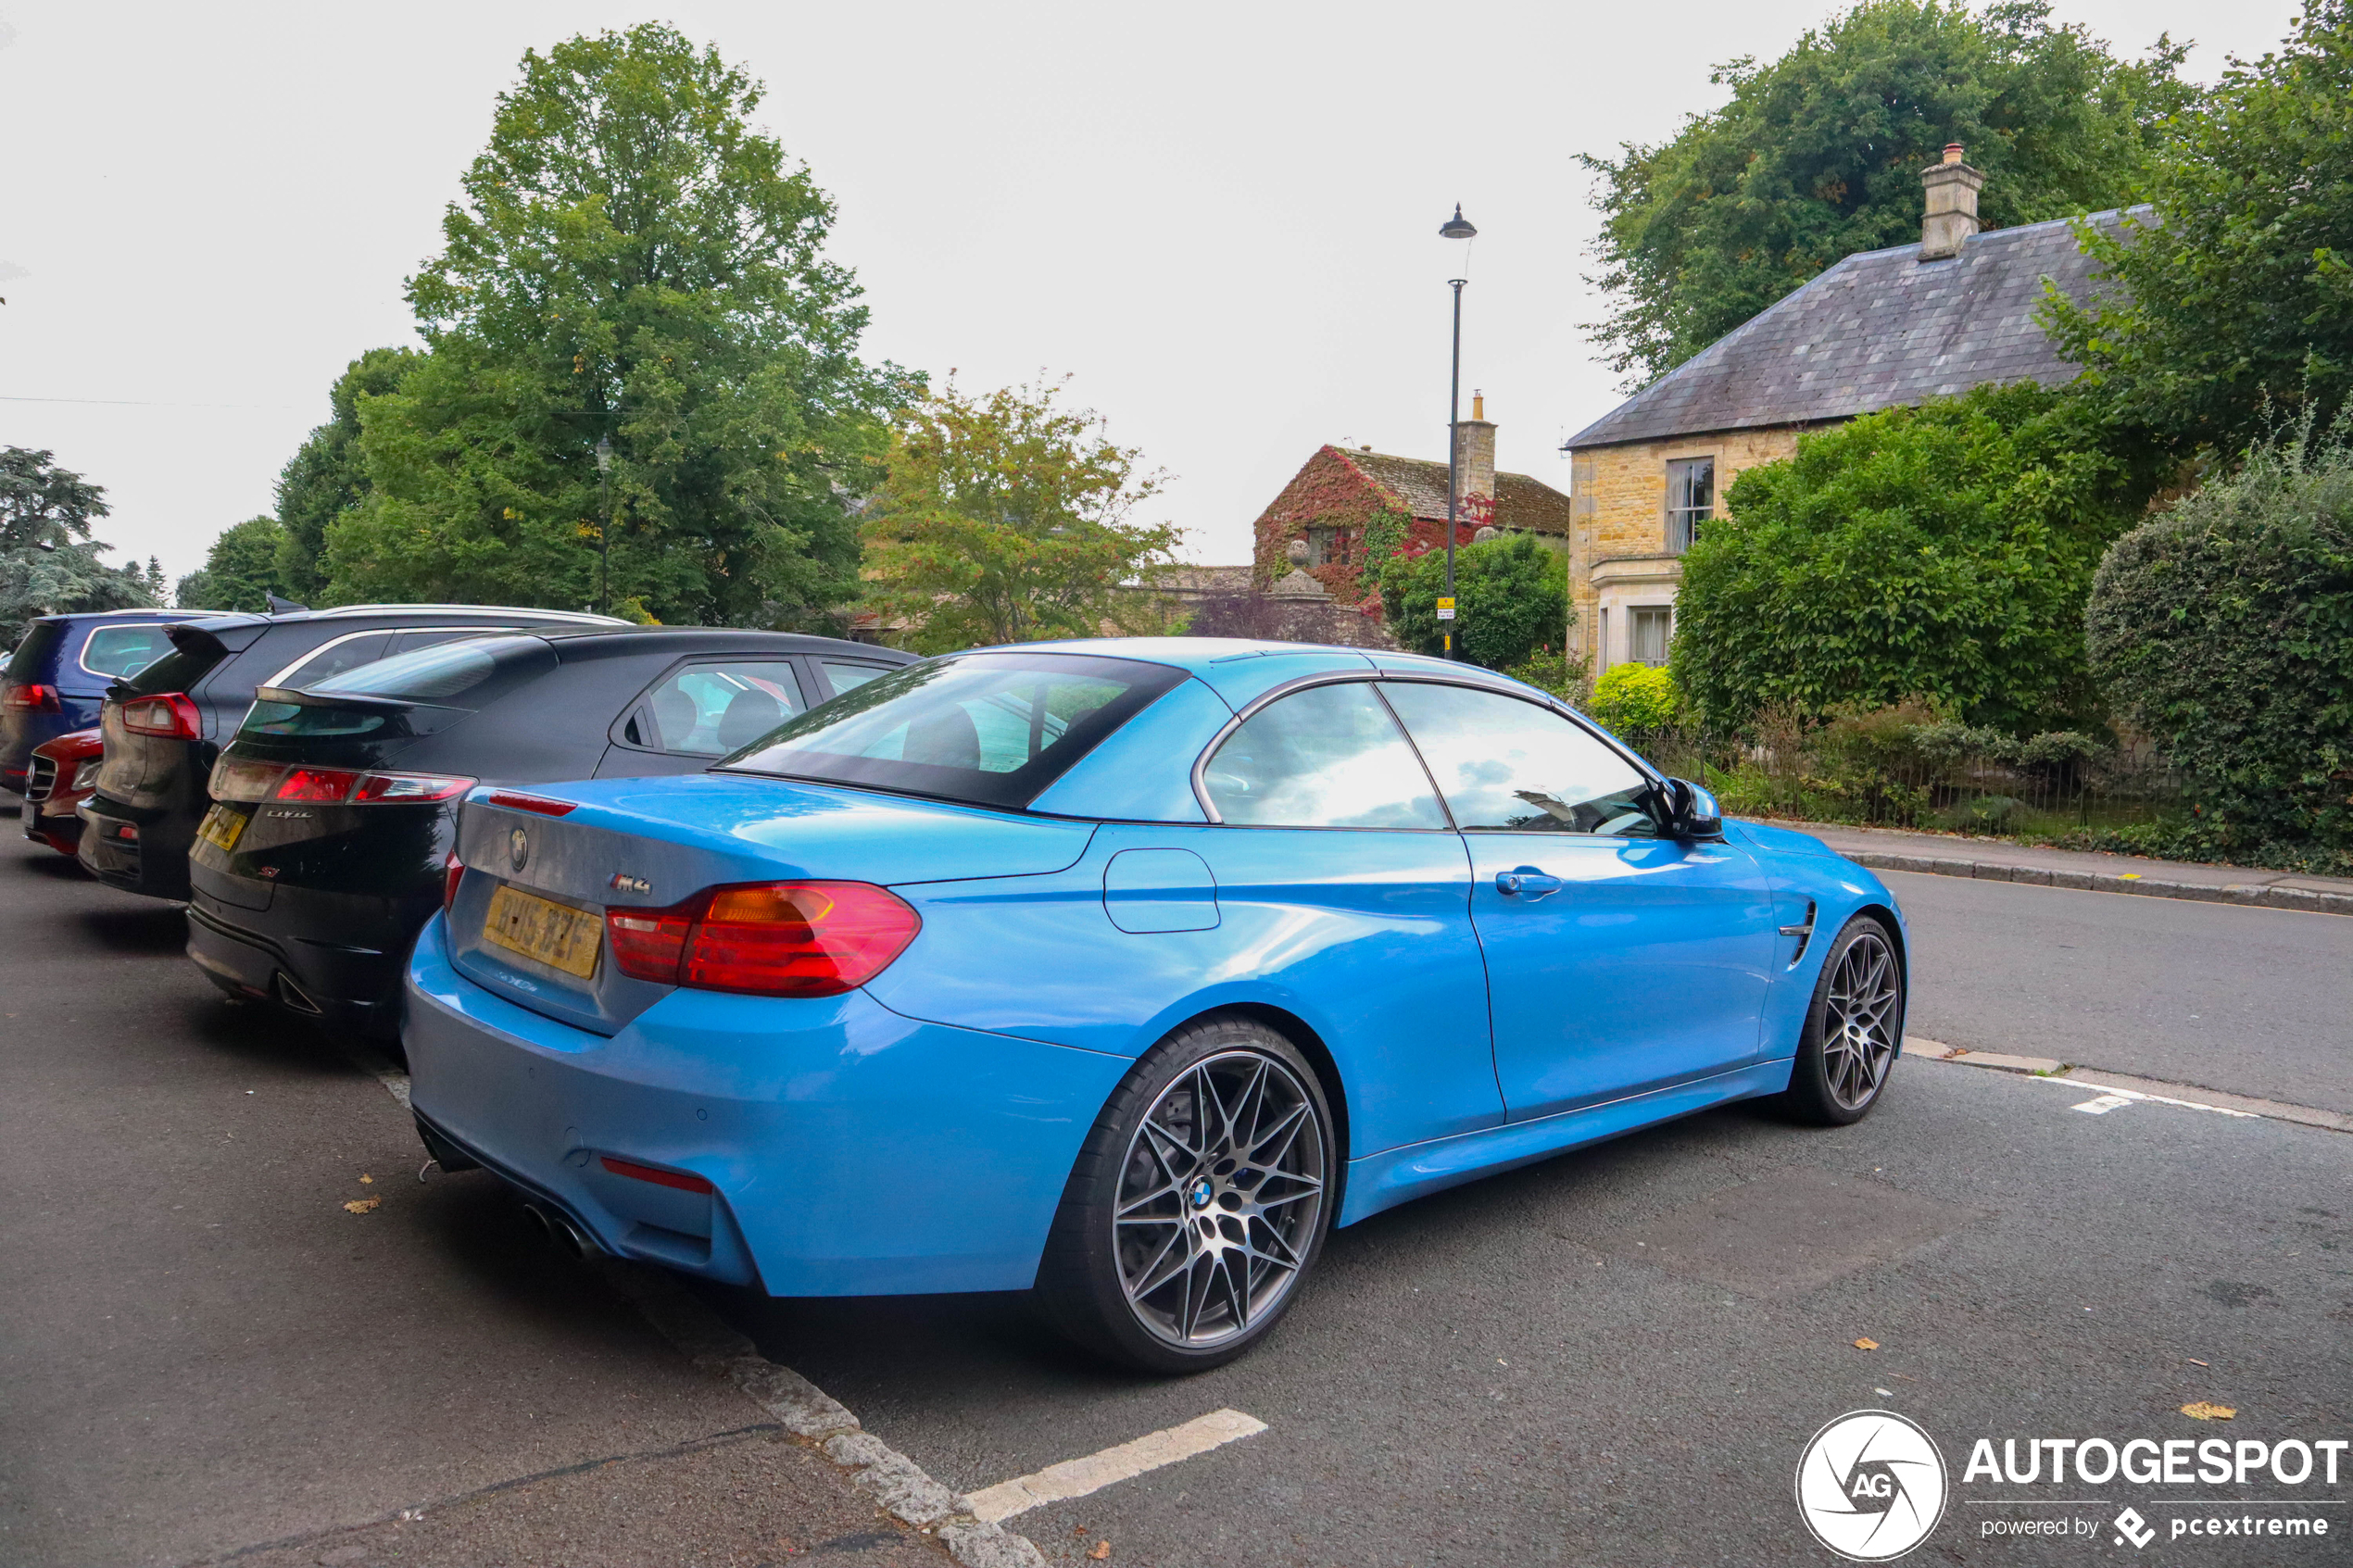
column 556, row 935
column 221, row 828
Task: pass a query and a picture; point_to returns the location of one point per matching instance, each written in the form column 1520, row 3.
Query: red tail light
column 36, row 698
column 538, row 803
column 453, row 872
column 238, row 779
column 768, row 939
column 170, row 715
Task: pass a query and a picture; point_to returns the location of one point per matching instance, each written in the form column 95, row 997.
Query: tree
column 2223, row 628
column 631, row 261
column 1512, row 594
column 1004, row 518
column 43, row 505
column 240, row 571
column 327, row 477
column 2236, row 306
column 1942, row 552
column 1817, row 155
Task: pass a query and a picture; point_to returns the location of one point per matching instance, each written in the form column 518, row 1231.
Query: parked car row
column 1119, row 970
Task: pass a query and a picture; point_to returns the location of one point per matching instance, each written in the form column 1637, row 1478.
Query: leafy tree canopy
column 1511, row 593
column 1942, row 552
column 1006, row 518
column 2223, row 627
column 1817, row 155
column 2241, row 294
column 328, row 476
column 43, row 504
column 240, row 571
column 632, row 260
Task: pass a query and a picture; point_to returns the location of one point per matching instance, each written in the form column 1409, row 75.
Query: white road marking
column 1077, row 1477
column 2110, row 1098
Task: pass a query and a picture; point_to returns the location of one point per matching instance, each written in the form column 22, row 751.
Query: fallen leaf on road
column 369, row 1181
column 2201, row 1411
column 361, row 1205
column 2194, row 1361
column 1102, row 1550
column 1867, row 1344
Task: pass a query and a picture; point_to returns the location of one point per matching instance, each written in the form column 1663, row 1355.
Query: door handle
column 1526, row 881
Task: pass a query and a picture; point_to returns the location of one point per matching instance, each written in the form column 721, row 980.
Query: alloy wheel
column 1859, row 1020
column 1219, row 1198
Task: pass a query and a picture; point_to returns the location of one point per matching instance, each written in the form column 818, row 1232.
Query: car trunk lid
column 653, row 843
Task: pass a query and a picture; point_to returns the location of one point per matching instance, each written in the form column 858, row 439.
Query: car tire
column 1854, row 1028
column 1198, row 1204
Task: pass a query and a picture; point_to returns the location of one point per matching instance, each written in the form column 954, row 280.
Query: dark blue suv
column 58, row 676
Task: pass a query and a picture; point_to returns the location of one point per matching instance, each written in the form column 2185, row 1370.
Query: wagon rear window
column 989, row 728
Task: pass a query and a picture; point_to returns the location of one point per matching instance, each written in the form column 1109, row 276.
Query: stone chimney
column 1475, row 453
column 1952, row 204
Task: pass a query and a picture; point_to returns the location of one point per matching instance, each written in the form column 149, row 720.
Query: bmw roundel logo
column 518, row 848
column 1201, row 1191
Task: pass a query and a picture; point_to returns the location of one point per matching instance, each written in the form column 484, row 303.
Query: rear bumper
column 347, row 990
column 852, row 1151
column 153, row 862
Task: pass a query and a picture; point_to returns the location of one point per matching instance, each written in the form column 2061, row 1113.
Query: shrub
column 1636, row 699
column 2223, row 629
column 1940, row 552
column 1513, row 593
column 1554, row 672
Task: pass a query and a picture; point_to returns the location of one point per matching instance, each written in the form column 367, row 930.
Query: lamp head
column 604, row 454
column 1457, row 227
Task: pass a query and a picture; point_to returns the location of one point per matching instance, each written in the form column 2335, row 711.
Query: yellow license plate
column 221, row 828
column 556, row 935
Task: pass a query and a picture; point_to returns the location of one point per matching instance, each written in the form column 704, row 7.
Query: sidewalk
column 1998, row 859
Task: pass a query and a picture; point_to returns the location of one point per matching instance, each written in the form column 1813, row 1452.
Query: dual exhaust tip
column 568, row 1237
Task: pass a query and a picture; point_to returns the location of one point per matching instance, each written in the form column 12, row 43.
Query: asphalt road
column 1614, row 1356
column 2249, row 1001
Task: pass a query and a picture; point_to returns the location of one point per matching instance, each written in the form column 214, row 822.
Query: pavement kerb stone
column 2253, row 894
column 896, row 1482
column 2101, row 1078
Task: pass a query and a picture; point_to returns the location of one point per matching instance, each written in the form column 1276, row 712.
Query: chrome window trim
column 1434, row 678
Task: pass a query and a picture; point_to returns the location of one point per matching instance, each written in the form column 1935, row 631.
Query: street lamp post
column 604, row 528
column 1455, row 227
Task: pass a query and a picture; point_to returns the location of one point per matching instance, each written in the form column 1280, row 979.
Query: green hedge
column 2223, row 629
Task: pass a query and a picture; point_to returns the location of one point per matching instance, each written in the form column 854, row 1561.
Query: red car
column 59, row 777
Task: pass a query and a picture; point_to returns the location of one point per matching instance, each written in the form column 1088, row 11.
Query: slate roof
column 1874, row 330
column 1522, row 501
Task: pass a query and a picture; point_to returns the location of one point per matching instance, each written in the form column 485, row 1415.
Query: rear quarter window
column 123, row 651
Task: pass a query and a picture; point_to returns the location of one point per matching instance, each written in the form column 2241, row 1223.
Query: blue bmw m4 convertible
column 1124, row 970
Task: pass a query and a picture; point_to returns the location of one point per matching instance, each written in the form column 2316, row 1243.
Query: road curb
column 2158, row 1089
column 899, row 1484
column 2252, row 894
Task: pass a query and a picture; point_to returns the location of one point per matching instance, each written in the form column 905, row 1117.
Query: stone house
column 1347, row 506
column 1875, row 331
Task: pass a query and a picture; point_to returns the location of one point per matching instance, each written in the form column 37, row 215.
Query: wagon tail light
column 33, row 699
column 236, row 779
column 767, row 939
column 172, row 716
column 453, row 872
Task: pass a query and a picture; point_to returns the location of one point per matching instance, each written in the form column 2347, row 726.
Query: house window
column 1648, row 627
column 1690, row 500
column 1327, row 546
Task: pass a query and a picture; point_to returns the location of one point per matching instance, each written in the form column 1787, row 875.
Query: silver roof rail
column 482, row 609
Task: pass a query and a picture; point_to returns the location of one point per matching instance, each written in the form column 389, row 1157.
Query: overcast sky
column 1220, row 219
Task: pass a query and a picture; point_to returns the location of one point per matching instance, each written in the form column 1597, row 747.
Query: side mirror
column 1693, row 812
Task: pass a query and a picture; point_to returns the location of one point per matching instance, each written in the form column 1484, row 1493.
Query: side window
column 712, row 709
column 848, row 677
column 1329, row 757
column 124, row 651
column 344, row 653
column 1509, row 766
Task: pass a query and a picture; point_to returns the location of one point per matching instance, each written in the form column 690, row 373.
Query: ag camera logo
column 1871, row 1485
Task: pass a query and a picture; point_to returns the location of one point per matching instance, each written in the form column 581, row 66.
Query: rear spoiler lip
column 301, row 698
